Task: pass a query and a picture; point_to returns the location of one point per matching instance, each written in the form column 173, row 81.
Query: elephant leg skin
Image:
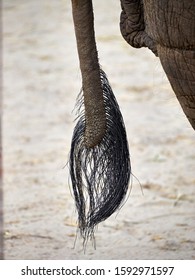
column 168, row 29
column 179, row 66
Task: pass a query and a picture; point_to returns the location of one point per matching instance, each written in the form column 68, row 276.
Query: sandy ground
column 41, row 83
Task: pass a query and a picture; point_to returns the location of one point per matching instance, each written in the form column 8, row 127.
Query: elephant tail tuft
column 100, row 174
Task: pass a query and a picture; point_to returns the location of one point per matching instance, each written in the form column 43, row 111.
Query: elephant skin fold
column 168, row 29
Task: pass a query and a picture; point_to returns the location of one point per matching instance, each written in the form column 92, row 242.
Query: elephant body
column 168, row 29
column 99, row 158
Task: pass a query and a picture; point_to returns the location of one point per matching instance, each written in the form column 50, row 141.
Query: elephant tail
column 99, row 157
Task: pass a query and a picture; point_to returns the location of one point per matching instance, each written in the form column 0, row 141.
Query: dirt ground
column 41, row 83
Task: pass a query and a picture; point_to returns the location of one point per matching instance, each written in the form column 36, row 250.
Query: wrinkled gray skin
column 168, row 29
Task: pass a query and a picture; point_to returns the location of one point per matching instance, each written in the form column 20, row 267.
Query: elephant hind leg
column 179, row 66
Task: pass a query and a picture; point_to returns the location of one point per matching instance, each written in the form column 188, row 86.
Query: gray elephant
column 167, row 28
column 99, row 158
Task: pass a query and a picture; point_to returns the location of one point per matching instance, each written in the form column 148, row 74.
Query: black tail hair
column 99, row 175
